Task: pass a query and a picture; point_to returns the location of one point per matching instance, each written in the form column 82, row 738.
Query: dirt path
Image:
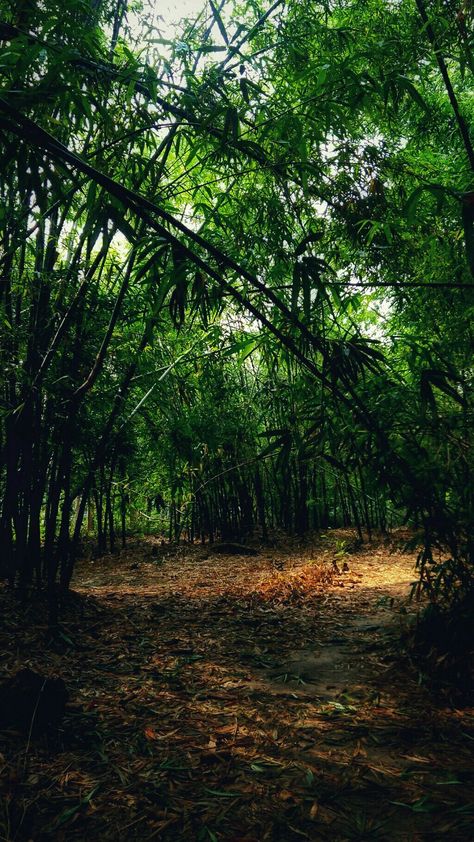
column 243, row 698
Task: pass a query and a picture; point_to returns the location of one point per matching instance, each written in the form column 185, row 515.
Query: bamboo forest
column 236, row 420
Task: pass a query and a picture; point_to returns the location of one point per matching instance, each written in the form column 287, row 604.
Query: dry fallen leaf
column 314, row 810
column 182, row 728
column 150, row 734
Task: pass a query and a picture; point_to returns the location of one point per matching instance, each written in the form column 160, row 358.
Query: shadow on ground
column 236, row 699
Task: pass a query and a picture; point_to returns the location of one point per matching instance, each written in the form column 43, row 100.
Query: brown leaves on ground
column 235, row 698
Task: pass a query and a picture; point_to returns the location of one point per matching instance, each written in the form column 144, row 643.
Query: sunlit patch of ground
column 239, row 698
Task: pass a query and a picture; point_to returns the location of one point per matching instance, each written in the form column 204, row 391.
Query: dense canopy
column 236, row 420
column 237, row 268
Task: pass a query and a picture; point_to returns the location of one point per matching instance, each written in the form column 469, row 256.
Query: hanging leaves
column 178, row 299
column 440, row 380
column 218, row 20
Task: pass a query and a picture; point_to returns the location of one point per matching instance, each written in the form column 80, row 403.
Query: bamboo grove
column 237, row 268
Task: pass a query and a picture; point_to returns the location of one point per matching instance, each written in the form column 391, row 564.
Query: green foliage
column 236, row 271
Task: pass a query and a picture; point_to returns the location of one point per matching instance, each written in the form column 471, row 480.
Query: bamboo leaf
column 408, row 86
column 219, row 22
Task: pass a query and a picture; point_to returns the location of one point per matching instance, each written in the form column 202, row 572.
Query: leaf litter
column 227, row 697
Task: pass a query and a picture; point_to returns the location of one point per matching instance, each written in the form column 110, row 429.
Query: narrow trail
column 247, row 698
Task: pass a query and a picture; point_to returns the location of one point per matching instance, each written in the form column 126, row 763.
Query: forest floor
column 238, row 698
